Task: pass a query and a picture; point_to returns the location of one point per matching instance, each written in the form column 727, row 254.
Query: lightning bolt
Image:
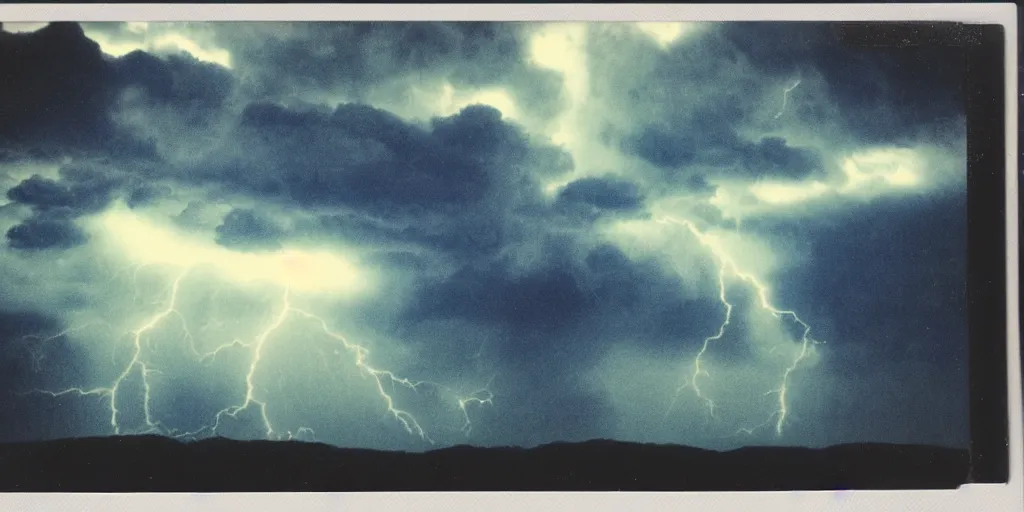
column 728, row 267
column 482, row 396
column 253, row 365
column 137, row 363
column 299, row 434
column 39, row 341
column 386, row 381
column 698, row 371
column 785, row 97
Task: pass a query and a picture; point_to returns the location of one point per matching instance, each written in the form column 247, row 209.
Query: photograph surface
column 333, row 256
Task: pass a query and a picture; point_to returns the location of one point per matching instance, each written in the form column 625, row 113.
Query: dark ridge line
column 153, row 463
column 590, row 442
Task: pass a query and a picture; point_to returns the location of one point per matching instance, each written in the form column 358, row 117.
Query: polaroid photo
column 509, row 256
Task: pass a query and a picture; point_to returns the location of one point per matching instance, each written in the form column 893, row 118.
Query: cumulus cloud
column 603, row 194
column 41, row 232
column 245, row 229
column 544, row 225
column 365, row 157
column 57, row 92
column 349, row 61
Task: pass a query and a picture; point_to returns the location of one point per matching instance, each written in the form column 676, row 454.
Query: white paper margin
column 1008, row 497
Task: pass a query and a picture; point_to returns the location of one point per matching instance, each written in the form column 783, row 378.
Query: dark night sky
column 518, row 229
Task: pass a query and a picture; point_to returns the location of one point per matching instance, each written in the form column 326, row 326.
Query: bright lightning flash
column 290, row 271
column 728, row 267
column 785, row 96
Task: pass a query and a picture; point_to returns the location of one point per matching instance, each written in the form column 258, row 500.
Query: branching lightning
column 785, row 96
column 728, row 267
column 482, row 396
column 137, row 363
column 386, row 381
column 38, row 341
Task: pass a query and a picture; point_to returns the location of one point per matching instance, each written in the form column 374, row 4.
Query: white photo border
column 969, row 497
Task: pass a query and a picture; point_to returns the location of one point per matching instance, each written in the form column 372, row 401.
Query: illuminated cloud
column 782, row 194
column 158, row 39
column 667, row 33
column 144, row 242
column 390, row 235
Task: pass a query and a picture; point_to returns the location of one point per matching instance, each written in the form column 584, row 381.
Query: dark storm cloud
column 146, row 194
column 362, row 54
column 641, row 300
column 81, row 190
column 700, row 136
column 548, row 299
column 180, row 103
column 196, row 91
column 713, row 143
column 772, row 156
column 92, row 187
column 479, row 132
column 587, row 200
column 176, row 78
column 464, row 185
column 356, row 155
column 470, row 236
column 697, row 185
column 54, row 84
column 663, row 148
column 693, row 104
column 59, row 94
column 907, row 291
column 697, row 88
column 887, row 287
column 606, row 194
column 883, row 93
column 56, row 90
column 247, row 230
column 45, row 232
column 355, row 58
column 41, row 193
column 56, row 205
column 364, row 157
column 311, row 158
column 576, row 307
column 355, row 228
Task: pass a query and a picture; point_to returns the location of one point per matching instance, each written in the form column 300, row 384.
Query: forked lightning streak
column 385, row 380
column 728, row 267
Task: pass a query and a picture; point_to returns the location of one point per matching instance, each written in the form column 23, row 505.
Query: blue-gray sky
column 406, row 235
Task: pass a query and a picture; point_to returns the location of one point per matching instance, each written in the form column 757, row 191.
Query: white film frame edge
column 980, row 496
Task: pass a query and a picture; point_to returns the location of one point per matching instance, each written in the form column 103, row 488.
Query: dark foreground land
column 153, row 464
